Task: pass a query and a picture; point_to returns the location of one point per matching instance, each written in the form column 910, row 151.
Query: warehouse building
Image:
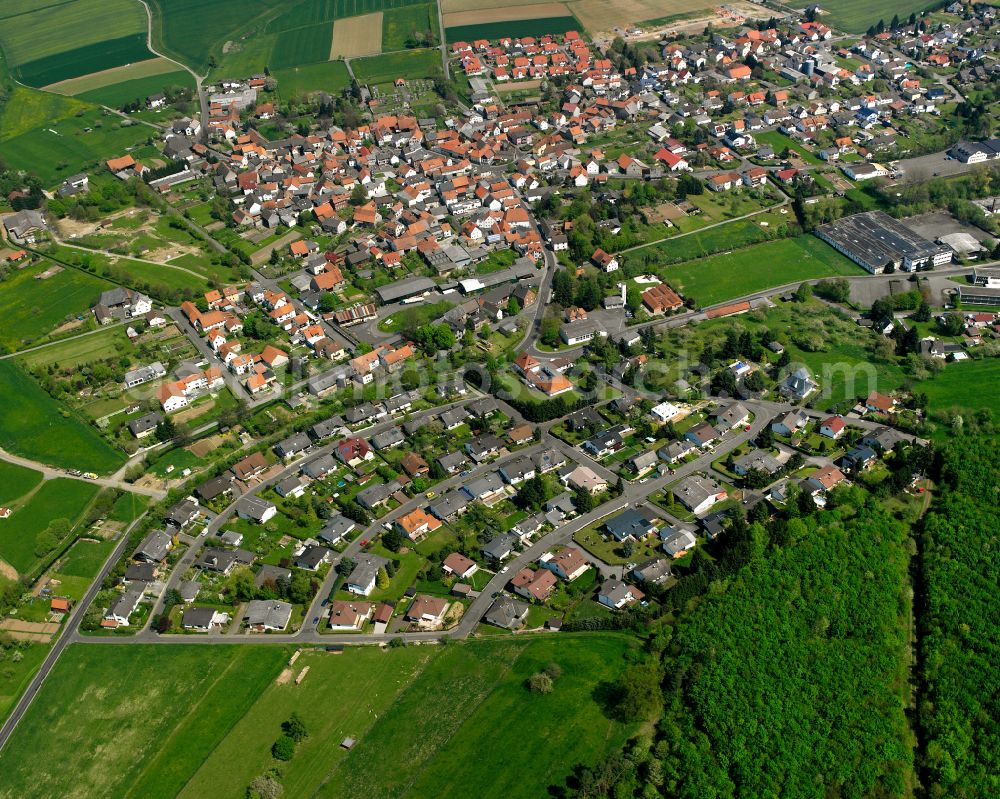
column 875, row 241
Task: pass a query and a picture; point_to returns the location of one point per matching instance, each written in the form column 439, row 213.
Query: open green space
column 409, row 64
column 133, row 721
column 327, row 76
column 85, row 558
column 959, row 388
column 158, row 280
column 856, row 16
column 119, row 94
column 16, row 481
column 400, row 24
column 99, row 345
column 77, row 138
column 465, row 723
column 17, row 673
column 779, row 141
column 309, row 12
column 732, row 235
column 517, row 28
column 302, row 46
column 723, row 277
column 409, row 319
column 35, row 426
column 60, row 498
column 34, row 308
column 48, row 42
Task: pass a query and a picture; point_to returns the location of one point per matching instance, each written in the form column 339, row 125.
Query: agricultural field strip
column 357, row 36
column 459, row 19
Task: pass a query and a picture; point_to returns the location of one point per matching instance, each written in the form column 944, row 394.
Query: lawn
column 409, row 64
column 733, row 235
column 35, row 426
column 469, row 727
column 724, row 277
column 49, row 42
column 159, row 280
column 132, row 720
column 330, row 76
column 56, row 499
column 16, row 481
column 75, row 138
column 304, row 45
column 378, row 676
column 779, row 141
column 409, row 319
column 15, row 675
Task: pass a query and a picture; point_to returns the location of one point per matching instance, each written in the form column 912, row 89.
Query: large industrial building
column 875, row 241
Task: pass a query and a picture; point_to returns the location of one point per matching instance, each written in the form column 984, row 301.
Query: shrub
column 284, row 748
column 540, row 683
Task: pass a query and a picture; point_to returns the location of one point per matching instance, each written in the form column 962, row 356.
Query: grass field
column 156, row 279
column 600, row 15
column 104, row 343
column 722, row 277
column 399, row 24
column 109, row 77
column 409, row 64
column 77, row 137
column 16, row 481
column 959, row 388
column 85, row 558
column 730, row 236
column 133, row 721
column 33, row 308
column 517, row 27
column 35, row 426
column 49, row 42
column 56, row 499
column 309, row 12
column 118, row 94
column 856, row 16
column 329, row 76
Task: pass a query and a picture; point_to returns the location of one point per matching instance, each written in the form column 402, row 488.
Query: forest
column 959, row 624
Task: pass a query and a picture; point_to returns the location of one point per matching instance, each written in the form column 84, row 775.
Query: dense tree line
column 958, row 628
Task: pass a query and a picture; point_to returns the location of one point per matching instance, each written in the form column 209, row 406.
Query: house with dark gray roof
column 501, row 547
column 336, row 527
column 630, row 524
column 362, row 578
column 449, row 505
column 293, row 445
column 154, row 547
column 506, row 612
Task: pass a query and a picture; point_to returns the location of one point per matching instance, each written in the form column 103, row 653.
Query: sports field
column 388, row 67
column 357, row 36
column 34, row 308
column 55, row 499
column 140, row 718
column 35, row 426
column 195, row 721
column 49, row 42
column 723, row 277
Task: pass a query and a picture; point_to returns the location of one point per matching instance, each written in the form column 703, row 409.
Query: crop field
column 855, row 16
column 328, row 76
column 723, row 277
column 34, row 308
column 133, row 721
column 301, row 46
column 599, row 15
column 309, row 12
column 398, row 25
column 408, row 64
column 115, row 75
column 183, row 30
column 16, row 481
column 35, row 426
column 357, row 36
column 56, row 499
column 47, row 43
column 520, row 27
column 55, row 148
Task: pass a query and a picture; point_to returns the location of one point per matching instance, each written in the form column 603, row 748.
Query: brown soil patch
column 70, row 325
column 264, row 253
column 505, row 13
column 518, row 86
column 203, row 446
column 357, row 36
column 8, row 571
column 285, row 677
column 194, row 412
column 36, row 627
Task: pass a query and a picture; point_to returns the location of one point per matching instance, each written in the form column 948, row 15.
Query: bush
column 284, row 748
column 540, row 683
